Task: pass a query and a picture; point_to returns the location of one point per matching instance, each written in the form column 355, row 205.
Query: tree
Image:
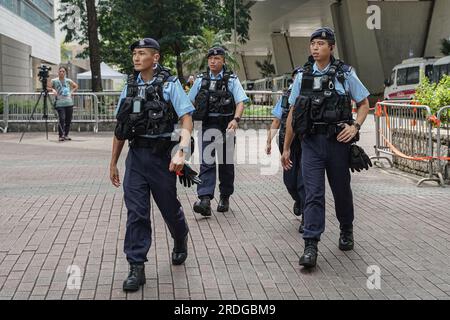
column 171, row 22
column 168, row 21
column 80, row 22
column 267, row 69
column 219, row 15
column 66, row 54
column 445, row 49
column 195, row 58
column 94, row 46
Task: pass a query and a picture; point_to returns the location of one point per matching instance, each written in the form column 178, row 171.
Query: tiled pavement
column 57, row 209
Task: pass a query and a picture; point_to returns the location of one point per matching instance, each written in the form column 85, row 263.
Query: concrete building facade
column 27, row 40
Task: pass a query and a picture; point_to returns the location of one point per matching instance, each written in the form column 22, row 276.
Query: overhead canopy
column 107, row 73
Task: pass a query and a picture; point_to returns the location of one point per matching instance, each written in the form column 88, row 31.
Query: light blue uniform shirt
column 234, row 85
column 277, row 111
column 172, row 91
column 352, row 84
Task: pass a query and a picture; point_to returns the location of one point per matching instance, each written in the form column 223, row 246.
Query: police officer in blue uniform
column 322, row 116
column 219, row 99
column 150, row 107
column 292, row 178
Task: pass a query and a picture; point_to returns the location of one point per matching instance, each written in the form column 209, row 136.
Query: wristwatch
column 357, row 126
column 237, row 119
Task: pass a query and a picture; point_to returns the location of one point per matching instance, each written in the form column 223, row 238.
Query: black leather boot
column 301, row 229
column 203, row 206
column 346, row 241
column 309, row 257
column 136, row 278
column 180, row 251
column 224, row 204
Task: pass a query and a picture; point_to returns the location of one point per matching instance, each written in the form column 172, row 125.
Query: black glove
column 359, row 160
column 188, row 177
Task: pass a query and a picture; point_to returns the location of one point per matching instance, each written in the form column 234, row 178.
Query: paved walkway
column 58, row 209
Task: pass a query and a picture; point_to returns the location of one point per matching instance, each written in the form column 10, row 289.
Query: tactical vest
column 319, row 108
column 214, row 100
column 327, row 105
column 149, row 116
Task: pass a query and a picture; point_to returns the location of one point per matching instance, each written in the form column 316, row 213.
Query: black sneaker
column 203, row 206
column 309, row 257
column 136, row 278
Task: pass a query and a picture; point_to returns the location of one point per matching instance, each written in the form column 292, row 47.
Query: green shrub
column 435, row 95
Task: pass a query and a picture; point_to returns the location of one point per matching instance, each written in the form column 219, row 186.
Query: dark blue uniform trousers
column 147, row 173
column 320, row 155
column 293, row 178
column 213, row 142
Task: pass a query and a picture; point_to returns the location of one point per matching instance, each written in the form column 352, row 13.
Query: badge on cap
column 324, row 34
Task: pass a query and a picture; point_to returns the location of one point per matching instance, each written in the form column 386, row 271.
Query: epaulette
column 172, row 79
column 346, row 68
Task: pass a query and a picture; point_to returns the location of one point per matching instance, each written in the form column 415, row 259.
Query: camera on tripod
column 43, row 75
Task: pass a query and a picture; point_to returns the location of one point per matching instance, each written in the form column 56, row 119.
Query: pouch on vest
column 317, row 108
column 301, row 120
column 201, row 106
column 122, row 128
column 158, row 116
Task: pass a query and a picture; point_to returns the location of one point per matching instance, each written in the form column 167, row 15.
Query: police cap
column 145, row 43
column 325, row 34
column 216, row 51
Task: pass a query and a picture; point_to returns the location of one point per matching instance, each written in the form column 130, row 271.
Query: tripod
column 45, row 95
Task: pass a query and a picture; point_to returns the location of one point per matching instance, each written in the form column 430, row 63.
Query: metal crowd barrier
column 19, row 106
column 443, row 139
column 261, row 104
column 107, row 103
column 100, row 107
column 409, row 123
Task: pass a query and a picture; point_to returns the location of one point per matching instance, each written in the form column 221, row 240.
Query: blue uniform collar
column 140, row 81
column 317, row 71
column 219, row 75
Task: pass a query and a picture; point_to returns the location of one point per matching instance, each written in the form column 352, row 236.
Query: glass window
column 413, row 76
column 443, row 70
column 11, row 5
column 45, row 6
column 429, row 71
column 37, row 19
column 392, row 77
column 401, row 76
